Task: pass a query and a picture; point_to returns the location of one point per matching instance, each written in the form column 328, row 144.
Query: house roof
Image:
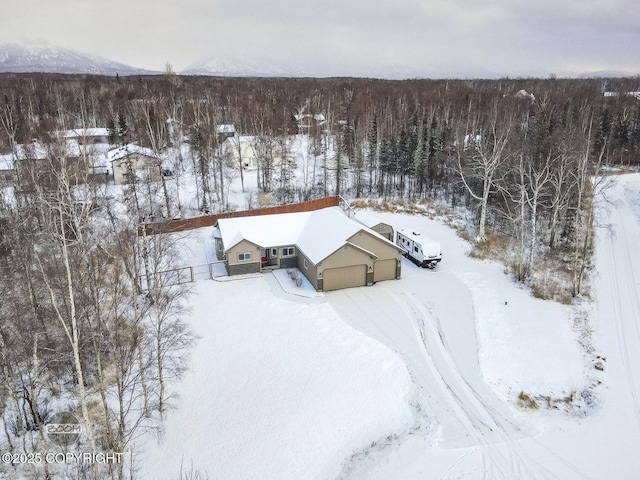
column 6, row 162
column 41, row 151
column 85, row 132
column 122, row 152
column 318, row 233
column 225, row 128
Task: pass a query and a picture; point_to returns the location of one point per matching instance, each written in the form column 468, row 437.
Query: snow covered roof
column 318, row 117
column 122, row 152
column 85, row 132
column 6, row 162
column 42, row 151
column 317, row 234
column 226, row 128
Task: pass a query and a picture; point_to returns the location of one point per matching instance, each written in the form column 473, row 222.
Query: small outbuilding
column 385, row 230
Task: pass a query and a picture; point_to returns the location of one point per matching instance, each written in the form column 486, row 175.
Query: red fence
column 210, row 220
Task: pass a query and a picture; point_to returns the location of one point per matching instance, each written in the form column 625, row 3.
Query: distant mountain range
column 24, row 58
column 20, row 58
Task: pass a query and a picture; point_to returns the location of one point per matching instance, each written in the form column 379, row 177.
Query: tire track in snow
column 496, row 436
column 507, row 458
column 619, row 319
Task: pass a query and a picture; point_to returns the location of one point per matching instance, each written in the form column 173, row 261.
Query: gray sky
column 437, row 37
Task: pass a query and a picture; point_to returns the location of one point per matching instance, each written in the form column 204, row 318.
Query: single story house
column 330, row 249
column 134, row 160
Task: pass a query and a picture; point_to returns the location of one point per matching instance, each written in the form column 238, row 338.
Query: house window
column 219, row 245
column 288, row 252
column 304, row 264
column 244, row 257
column 274, row 252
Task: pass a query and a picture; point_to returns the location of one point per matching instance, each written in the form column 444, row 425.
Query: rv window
column 415, row 248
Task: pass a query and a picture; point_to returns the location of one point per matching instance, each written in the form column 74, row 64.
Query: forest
column 88, row 323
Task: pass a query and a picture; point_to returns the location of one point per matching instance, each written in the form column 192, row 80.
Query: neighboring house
column 225, row 131
column 329, row 248
column 309, row 124
column 86, row 136
column 617, row 94
column 40, row 164
column 134, row 160
column 241, row 150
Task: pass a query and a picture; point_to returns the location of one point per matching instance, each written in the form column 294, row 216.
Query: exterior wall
column 246, row 151
column 145, row 168
column 219, row 249
column 346, row 256
column 310, row 271
column 289, row 262
column 235, row 267
column 244, row 268
column 42, row 172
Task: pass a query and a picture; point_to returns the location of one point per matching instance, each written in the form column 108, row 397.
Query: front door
column 272, row 254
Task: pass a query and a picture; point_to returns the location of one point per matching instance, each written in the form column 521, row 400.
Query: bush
column 525, row 401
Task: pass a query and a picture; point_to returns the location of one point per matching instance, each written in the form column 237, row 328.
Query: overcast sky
column 332, row 37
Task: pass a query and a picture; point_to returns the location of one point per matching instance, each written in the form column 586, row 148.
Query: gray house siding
column 309, row 270
column 288, row 262
column 243, row 268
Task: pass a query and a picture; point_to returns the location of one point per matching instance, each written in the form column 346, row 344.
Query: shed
column 385, row 230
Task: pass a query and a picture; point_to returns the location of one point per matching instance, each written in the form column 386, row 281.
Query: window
column 274, row 252
column 415, row 249
column 244, row 257
column 288, row 252
column 304, row 264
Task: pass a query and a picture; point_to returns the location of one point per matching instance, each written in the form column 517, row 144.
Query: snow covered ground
column 413, row 378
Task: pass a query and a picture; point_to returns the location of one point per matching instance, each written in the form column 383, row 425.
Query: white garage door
column 384, row 269
column 344, row 277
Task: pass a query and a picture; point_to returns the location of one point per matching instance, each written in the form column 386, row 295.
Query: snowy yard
column 413, row 378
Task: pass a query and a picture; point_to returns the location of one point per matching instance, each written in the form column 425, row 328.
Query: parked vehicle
column 420, row 249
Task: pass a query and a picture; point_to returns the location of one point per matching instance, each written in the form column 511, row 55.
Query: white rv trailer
column 422, row 250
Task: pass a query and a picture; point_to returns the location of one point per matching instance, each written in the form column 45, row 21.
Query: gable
column 374, row 242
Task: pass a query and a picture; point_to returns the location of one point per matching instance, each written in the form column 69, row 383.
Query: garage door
column 344, row 277
column 384, row 269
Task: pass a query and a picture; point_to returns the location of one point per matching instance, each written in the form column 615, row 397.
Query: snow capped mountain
column 251, row 65
column 42, row 57
column 242, row 67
